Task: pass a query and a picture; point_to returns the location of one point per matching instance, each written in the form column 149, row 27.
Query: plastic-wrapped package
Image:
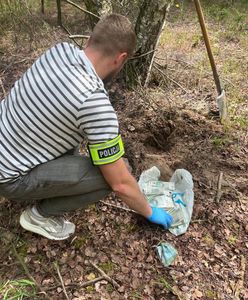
column 175, row 196
column 167, row 253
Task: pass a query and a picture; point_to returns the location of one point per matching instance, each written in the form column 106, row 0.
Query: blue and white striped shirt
column 58, row 101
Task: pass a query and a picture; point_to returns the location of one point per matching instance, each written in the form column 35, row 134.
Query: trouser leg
column 60, row 205
column 61, row 185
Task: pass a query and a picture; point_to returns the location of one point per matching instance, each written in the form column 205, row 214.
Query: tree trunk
column 42, row 7
column 149, row 19
column 149, row 25
column 94, row 7
column 59, row 16
column 98, row 8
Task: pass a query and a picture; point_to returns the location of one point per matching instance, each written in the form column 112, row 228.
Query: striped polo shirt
column 58, row 101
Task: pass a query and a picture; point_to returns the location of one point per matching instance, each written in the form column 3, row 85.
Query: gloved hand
column 161, row 217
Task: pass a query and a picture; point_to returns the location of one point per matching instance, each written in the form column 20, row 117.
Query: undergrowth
column 187, row 60
column 17, row 290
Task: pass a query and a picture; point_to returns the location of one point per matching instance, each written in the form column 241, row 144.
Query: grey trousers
column 62, row 185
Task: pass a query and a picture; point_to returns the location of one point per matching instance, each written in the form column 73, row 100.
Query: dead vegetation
column 167, row 125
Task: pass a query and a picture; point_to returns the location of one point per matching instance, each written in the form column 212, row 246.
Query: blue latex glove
column 161, row 217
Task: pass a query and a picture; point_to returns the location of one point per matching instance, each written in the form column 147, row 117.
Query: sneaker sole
column 36, row 229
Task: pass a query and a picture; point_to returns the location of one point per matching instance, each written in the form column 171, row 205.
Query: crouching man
column 60, row 100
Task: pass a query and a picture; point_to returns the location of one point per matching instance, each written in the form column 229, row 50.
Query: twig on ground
column 82, row 9
column 78, row 36
column 105, row 276
column 240, row 283
column 25, row 268
column 171, row 79
column 61, row 280
column 144, row 54
column 117, row 206
column 199, row 221
column 219, row 185
column 69, row 33
column 78, row 285
column 84, row 284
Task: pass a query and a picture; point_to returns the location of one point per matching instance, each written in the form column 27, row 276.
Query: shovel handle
column 208, row 46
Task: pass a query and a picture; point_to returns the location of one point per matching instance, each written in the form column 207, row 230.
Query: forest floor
column 169, row 125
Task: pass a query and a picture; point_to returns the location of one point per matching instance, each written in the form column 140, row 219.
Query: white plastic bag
column 182, row 196
column 184, row 185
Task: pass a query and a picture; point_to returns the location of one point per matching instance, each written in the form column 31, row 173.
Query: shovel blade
column 222, row 105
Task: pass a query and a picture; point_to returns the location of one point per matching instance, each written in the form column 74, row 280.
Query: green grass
column 107, row 266
column 166, row 285
column 211, row 294
column 17, row 289
column 15, row 12
column 207, row 239
column 227, row 24
column 219, row 142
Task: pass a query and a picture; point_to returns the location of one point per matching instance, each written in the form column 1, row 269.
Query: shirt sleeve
column 97, row 118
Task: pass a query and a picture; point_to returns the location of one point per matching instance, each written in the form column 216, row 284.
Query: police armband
column 107, row 152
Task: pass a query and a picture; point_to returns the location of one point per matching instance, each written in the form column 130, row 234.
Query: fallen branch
column 61, row 280
column 84, row 284
column 144, row 54
column 82, row 9
column 199, row 221
column 78, row 36
column 240, row 283
column 219, row 185
column 69, row 33
column 78, row 285
column 25, row 268
column 105, row 276
column 117, row 206
column 171, row 79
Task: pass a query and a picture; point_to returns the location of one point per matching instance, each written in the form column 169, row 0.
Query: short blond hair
column 113, row 33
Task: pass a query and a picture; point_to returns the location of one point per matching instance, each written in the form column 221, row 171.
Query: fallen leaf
column 91, row 276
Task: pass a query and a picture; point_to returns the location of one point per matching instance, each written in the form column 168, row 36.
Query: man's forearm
column 126, row 187
column 130, row 193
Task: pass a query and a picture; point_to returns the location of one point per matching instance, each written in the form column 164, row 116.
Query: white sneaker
column 53, row 228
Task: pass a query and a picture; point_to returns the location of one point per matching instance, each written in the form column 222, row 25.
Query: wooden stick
column 82, row 9
column 171, row 79
column 78, row 36
column 78, row 285
column 118, row 206
column 219, row 185
column 84, row 284
column 240, row 283
column 208, row 45
column 25, row 268
column 144, row 54
column 67, row 30
column 61, row 280
column 105, row 276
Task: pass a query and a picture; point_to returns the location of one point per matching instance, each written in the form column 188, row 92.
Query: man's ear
column 121, row 57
